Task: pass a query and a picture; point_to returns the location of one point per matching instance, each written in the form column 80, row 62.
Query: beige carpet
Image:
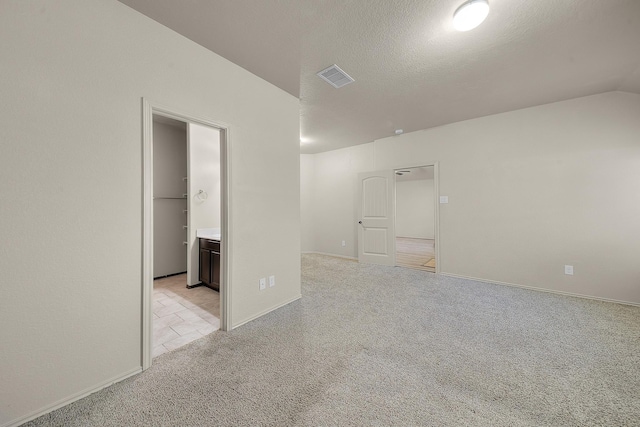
column 383, row 346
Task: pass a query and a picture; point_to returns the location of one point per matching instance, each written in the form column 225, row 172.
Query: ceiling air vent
column 335, row 76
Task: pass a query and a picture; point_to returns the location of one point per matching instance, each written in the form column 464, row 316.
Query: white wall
column 71, row 189
column 169, row 160
column 334, row 198
column 415, row 209
column 204, row 174
column 170, row 167
column 529, row 191
column 307, row 190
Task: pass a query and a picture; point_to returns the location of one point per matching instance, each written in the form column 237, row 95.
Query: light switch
column 272, row 281
column 444, row 199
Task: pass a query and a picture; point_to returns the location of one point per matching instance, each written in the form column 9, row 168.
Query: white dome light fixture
column 470, row 15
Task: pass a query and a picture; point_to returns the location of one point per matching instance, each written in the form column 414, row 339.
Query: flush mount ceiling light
column 470, row 15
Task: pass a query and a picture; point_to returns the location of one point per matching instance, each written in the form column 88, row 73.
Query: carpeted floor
column 370, row 345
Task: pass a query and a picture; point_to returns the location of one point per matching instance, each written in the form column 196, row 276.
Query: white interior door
column 376, row 234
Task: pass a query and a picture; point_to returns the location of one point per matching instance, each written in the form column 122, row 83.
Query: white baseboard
column 534, row 288
column 328, row 254
column 269, row 310
column 67, row 400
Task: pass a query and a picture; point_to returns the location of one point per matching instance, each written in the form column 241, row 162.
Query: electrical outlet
column 272, row 281
column 263, row 284
column 568, row 269
column 344, row 243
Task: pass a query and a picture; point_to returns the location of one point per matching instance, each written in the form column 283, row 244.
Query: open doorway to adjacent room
column 415, row 218
column 185, row 256
column 186, row 162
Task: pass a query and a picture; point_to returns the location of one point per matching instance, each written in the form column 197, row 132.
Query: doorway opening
column 186, row 161
column 415, row 218
column 185, row 216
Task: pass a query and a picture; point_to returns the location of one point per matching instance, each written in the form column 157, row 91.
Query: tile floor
column 182, row 315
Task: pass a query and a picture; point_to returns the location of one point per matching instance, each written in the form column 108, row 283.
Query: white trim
column 328, row 254
column 147, row 234
column 148, row 110
column 534, row 288
column 268, row 310
column 190, row 272
column 74, row 397
column 226, row 224
column 436, row 205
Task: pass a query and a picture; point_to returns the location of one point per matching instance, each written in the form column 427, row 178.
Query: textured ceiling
column 412, row 70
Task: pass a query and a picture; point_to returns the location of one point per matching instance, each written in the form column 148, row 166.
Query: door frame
column 436, row 205
column 150, row 108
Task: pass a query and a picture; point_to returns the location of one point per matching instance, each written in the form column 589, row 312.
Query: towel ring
column 202, row 195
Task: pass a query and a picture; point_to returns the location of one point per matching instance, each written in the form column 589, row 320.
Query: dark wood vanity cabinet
column 210, row 263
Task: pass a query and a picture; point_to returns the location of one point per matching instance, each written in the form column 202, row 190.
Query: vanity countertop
column 208, row 233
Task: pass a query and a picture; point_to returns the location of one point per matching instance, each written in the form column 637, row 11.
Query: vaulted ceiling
column 412, row 70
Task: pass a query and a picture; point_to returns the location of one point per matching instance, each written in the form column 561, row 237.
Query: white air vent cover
column 335, row 76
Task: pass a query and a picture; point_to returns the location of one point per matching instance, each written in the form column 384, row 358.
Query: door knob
column 359, row 222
